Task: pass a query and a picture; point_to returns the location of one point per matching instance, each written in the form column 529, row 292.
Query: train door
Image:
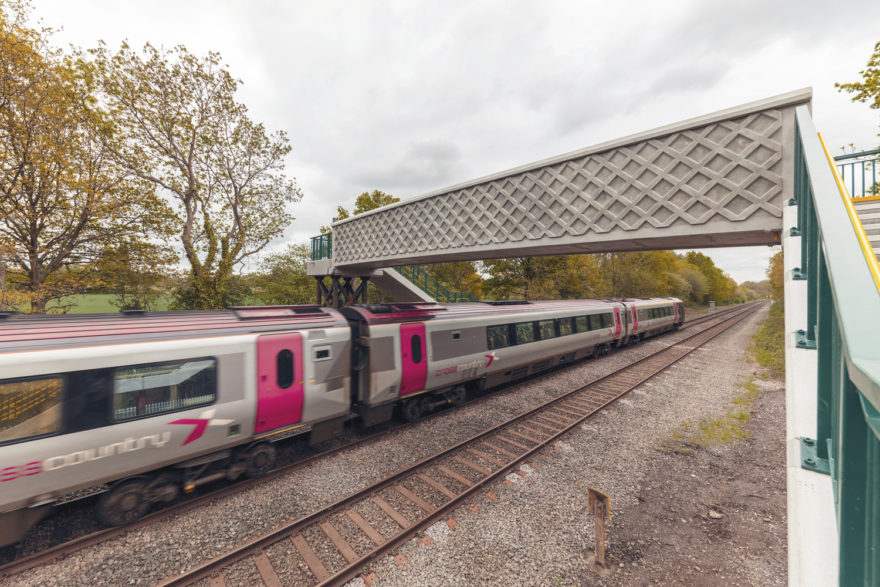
column 414, row 359
column 617, row 322
column 675, row 313
column 279, row 381
column 635, row 320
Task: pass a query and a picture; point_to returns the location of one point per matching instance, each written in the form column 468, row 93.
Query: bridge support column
column 341, row 291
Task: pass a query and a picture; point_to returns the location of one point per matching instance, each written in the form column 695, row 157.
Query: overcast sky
column 409, row 97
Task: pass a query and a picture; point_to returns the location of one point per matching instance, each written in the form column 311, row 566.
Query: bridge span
column 716, row 180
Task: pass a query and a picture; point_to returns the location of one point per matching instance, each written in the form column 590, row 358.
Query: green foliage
column 458, row 276
column 776, row 277
column 133, row 271
column 370, row 201
column 522, row 278
column 364, row 203
column 283, row 279
column 721, row 288
column 230, row 290
column 173, row 121
column 63, row 197
column 768, row 344
column 868, row 89
column 99, row 303
column 726, row 429
column 757, row 289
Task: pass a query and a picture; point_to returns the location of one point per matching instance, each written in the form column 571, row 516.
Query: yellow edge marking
column 278, row 431
column 867, row 250
column 866, row 199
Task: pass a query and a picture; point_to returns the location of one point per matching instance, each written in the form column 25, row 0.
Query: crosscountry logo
column 200, row 424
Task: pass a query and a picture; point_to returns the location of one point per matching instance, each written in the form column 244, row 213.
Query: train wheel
column 260, row 460
column 457, row 397
column 124, row 503
column 413, row 410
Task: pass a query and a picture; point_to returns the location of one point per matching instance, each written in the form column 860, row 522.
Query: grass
column 729, row 428
column 96, row 303
column 768, row 344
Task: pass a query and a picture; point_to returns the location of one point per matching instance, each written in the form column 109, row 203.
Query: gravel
column 536, row 527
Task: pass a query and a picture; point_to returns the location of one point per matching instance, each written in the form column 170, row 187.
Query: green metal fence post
column 824, row 343
column 851, row 485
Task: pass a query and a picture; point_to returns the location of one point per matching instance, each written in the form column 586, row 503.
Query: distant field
column 95, row 303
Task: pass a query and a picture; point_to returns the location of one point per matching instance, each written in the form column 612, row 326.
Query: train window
column 323, row 353
column 497, row 337
column 456, row 335
column 582, row 324
column 606, row 320
column 284, row 368
column 547, row 329
column 566, row 326
column 525, row 332
column 416, row 346
column 30, row 408
column 150, row 390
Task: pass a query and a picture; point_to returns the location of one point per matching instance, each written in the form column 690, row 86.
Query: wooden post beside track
column 599, row 506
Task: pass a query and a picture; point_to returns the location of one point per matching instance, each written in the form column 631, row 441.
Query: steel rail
column 597, row 395
column 70, row 547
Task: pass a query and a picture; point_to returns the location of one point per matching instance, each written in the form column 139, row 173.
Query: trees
column 62, row 197
column 524, row 278
column 721, row 288
column 363, row 203
column 132, row 270
column 638, row 274
column 283, row 278
column 458, row 276
column 174, row 123
column 867, row 90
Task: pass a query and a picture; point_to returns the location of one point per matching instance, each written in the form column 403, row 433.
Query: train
column 152, row 404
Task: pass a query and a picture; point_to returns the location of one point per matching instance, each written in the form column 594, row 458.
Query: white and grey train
column 152, row 404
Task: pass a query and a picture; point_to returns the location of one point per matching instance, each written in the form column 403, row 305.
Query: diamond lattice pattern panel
column 730, row 169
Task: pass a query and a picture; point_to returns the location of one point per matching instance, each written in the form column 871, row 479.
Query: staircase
column 869, row 214
column 424, row 281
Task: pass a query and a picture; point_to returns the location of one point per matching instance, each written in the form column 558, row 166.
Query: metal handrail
column 869, row 166
column 322, row 247
column 427, row 283
column 843, row 317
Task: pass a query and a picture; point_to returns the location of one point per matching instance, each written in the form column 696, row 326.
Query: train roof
column 29, row 332
column 422, row 311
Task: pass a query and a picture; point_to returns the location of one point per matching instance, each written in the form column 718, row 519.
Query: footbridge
column 755, row 174
column 715, row 180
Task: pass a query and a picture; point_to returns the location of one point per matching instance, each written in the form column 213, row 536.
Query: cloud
column 413, row 97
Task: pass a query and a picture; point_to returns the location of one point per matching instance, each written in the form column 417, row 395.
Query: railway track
column 84, row 541
column 417, row 496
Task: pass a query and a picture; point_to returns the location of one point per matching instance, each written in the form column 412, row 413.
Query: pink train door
column 675, row 312
column 279, row 381
column 414, row 359
column 635, row 320
column 617, row 322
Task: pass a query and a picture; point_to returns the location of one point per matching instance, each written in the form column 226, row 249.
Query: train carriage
column 421, row 355
column 152, row 404
column 164, row 401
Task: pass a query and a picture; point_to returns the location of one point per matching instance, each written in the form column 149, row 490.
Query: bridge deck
column 716, row 180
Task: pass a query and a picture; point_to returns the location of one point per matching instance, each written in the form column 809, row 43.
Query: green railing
column 423, row 280
column 843, row 314
column 860, row 173
column 322, row 247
